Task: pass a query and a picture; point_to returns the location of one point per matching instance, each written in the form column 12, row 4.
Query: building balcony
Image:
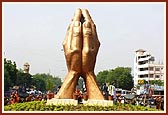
column 143, row 65
column 149, row 72
column 144, row 59
column 146, row 79
column 150, row 79
column 142, row 72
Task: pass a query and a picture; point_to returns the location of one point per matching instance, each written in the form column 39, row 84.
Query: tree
column 57, row 81
column 46, row 82
column 121, row 76
column 10, row 73
column 102, row 76
column 38, row 83
column 157, row 82
column 52, row 82
column 49, row 85
column 13, row 76
column 24, row 79
column 7, row 80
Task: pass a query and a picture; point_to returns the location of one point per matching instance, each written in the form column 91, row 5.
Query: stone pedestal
column 98, row 102
column 55, row 101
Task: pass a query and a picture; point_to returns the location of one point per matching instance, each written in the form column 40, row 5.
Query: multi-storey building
column 145, row 67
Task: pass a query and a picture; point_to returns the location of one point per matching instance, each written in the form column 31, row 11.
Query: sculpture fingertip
column 84, row 9
column 87, row 24
column 77, row 23
column 78, row 9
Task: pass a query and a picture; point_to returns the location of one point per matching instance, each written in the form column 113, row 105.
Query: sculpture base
column 98, row 102
column 55, row 101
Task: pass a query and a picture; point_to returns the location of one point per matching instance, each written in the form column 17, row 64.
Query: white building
column 145, row 67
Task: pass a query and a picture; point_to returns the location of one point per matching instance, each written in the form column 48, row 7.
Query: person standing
column 112, row 91
column 104, row 90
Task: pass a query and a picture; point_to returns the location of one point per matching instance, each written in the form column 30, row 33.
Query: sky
column 34, row 32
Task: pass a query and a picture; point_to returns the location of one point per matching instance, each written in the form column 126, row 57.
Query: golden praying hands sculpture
column 81, row 45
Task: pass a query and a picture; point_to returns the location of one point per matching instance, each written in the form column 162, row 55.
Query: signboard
column 141, row 81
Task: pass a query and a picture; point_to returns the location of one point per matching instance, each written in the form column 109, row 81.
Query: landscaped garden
column 41, row 106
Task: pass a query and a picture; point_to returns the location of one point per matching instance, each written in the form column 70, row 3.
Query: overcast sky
column 34, row 33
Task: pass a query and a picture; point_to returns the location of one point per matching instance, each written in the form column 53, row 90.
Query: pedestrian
column 112, row 91
column 104, row 89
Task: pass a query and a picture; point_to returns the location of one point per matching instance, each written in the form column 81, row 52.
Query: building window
column 142, row 62
column 143, row 76
column 152, row 59
column 157, row 69
column 151, row 75
column 143, row 56
column 143, row 69
column 157, row 76
column 151, row 68
column 161, row 76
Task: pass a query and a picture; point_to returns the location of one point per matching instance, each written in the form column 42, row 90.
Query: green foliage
column 13, row 76
column 7, row 80
column 39, row 83
column 10, row 73
column 24, row 79
column 121, row 76
column 45, row 81
column 157, row 82
column 102, row 76
column 41, row 106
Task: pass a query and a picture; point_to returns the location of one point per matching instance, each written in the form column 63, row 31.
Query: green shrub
column 41, row 106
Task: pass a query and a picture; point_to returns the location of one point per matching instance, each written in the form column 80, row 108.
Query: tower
column 26, row 67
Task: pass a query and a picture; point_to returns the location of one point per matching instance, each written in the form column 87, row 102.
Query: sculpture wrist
column 73, row 73
column 89, row 73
